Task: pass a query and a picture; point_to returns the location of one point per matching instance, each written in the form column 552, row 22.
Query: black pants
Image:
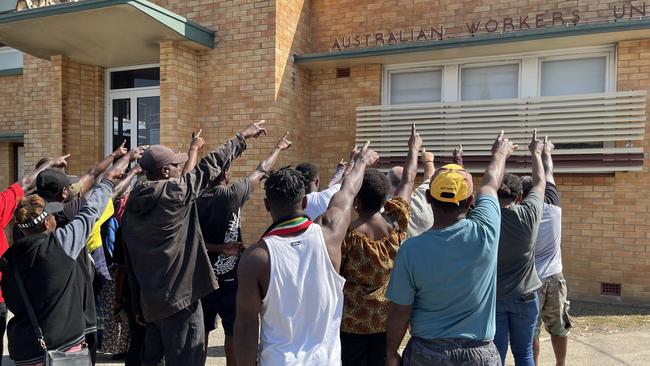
column 363, row 349
column 3, row 327
column 136, row 342
column 179, row 339
column 91, row 341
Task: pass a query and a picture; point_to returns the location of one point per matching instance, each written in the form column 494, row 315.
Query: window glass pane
column 579, row 76
column 139, row 78
column 149, row 121
column 121, row 122
column 10, row 59
column 415, row 87
column 489, row 82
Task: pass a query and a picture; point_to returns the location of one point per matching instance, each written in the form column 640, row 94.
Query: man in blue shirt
column 444, row 281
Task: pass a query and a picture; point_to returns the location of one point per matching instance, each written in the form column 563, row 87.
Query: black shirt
column 219, row 216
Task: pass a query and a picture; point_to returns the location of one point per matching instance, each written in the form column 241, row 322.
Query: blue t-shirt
column 449, row 276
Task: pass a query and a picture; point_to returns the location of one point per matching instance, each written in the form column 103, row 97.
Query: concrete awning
column 107, row 33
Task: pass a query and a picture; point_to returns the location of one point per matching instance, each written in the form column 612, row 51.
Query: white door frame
column 132, row 94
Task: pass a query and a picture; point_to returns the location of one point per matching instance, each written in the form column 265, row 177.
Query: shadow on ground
column 584, row 309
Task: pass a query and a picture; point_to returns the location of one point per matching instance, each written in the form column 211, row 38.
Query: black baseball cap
column 51, row 182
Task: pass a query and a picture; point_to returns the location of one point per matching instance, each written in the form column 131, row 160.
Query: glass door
column 132, row 107
column 139, row 128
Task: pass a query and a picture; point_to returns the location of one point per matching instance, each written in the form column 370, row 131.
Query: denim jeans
column 515, row 321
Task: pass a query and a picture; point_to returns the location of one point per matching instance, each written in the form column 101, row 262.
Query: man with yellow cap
column 444, row 281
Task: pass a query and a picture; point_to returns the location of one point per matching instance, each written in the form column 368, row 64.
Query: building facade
column 81, row 77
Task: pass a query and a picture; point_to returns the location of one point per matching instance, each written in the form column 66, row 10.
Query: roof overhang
column 492, row 44
column 107, row 33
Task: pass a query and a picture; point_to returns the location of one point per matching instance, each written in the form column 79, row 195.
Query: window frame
column 133, row 94
column 389, row 71
column 610, row 66
column 529, row 69
column 505, row 62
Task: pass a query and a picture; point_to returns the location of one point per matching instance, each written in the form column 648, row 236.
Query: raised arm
column 126, row 182
column 539, row 180
column 547, row 160
column 501, row 150
column 87, row 181
column 428, row 163
column 211, row 166
column 458, row 155
column 193, row 154
column 405, row 186
column 266, row 165
column 29, row 180
column 338, row 173
column 336, row 219
column 74, row 235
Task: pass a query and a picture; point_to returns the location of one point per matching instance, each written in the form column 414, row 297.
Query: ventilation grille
column 610, row 289
column 343, row 72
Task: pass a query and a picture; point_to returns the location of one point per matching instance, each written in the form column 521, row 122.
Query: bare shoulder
column 257, row 255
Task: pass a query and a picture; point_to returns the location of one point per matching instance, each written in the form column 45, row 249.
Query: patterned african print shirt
column 366, row 266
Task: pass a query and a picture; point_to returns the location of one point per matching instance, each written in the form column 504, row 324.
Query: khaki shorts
column 554, row 307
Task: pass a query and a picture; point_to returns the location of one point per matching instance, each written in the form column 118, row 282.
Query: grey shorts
column 450, row 352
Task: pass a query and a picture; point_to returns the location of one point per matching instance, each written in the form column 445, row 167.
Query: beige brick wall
column 81, row 112
column 179, row 94
column 332, row 19
column 333, row 112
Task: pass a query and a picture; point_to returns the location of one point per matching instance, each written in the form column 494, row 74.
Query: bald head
column 394, row 176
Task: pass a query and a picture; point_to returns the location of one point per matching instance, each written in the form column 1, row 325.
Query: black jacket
column 53, row 280
column 167, row 261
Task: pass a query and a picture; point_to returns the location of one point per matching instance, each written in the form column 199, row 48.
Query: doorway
column 132, row 107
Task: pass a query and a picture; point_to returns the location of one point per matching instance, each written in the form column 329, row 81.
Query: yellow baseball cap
column 451, row 183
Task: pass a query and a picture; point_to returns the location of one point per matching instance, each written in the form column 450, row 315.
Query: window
column 10, row 59
column 573, row 76
column 549, row 73
column 138, row 78
column 489, row 82
column 415, row 86
column 133, row 107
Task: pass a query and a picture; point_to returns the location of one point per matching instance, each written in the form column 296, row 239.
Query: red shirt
column 8, row 201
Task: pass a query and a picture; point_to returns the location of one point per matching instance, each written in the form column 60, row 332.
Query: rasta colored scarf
column 288, row 225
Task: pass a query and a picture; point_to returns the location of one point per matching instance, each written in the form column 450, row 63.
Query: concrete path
column 626, row 348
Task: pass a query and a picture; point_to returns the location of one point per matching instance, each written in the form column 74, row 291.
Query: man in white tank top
column 290, row 280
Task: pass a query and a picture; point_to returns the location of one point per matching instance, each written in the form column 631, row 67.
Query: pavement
column 624, row 348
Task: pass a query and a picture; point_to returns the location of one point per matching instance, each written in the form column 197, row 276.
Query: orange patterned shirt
column 366, row 266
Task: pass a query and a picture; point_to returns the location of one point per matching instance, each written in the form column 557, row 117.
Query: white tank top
column 302, row 309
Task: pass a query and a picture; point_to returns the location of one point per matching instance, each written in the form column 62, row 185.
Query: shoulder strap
column 30, row 310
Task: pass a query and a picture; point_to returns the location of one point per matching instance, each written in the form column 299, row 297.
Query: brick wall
column 332, row 19
column 333, row 112
column 79, row 107
column 179, row 94
column 41, row 118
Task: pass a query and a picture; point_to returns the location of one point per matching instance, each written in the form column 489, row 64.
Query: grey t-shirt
column 516, row 274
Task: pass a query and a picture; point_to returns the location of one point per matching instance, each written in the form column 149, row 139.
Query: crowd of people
column 139, row 256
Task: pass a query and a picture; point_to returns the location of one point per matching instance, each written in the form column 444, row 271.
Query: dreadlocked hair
column 285, row 187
